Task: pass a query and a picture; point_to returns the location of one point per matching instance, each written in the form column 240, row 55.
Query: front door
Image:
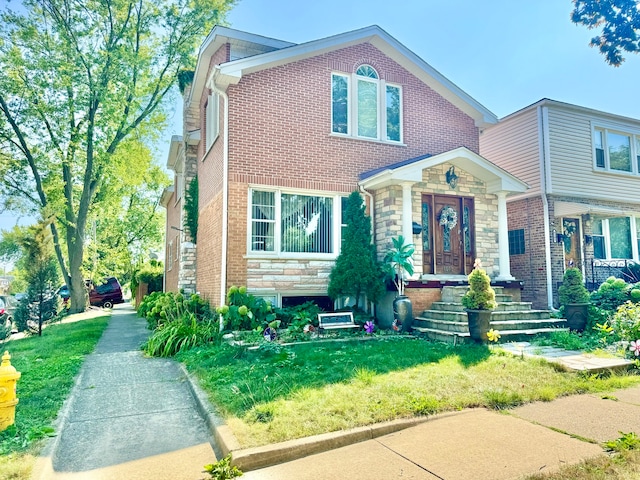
column 571, row 241
column 447, row 234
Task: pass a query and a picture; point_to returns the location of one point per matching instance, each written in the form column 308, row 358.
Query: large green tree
column 620, row 23
column 77, row 78
column 357, row 271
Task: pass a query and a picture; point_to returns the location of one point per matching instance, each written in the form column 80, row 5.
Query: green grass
column 48, row 365
column 278, row 393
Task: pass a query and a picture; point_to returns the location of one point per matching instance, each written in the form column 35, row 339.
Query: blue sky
column 507, row 54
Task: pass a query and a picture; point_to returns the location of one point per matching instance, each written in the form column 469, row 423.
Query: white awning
column 572, row 209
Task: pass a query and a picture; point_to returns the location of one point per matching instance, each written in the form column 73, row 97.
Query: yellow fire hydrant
column 8, row 401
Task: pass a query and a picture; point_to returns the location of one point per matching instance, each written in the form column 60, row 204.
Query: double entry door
column 448, row 234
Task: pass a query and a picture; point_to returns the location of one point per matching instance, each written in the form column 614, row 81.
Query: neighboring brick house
column 583, row 205
column 283, row 133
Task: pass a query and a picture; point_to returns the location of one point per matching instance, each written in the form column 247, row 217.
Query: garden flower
column 308, row 328
column 635, row 347
column 369, row 327
column 493, row 335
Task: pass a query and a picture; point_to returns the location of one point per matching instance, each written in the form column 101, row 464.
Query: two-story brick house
column 280, row 134
column 583, row 205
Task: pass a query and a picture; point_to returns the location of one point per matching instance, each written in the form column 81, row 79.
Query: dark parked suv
column 106, row 295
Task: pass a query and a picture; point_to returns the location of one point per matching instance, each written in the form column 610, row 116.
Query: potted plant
column 479, row 301
column 400, row 263
column 574, row 297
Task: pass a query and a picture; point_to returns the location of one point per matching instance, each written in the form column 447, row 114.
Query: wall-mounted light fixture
column 588, row 239
column 417, row 228
column 452, row 178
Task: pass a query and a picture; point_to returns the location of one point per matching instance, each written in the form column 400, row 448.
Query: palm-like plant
column 399, row 259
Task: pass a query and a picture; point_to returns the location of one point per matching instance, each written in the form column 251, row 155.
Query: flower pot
column 403, row 312
column 479, row 324
column 577, row 315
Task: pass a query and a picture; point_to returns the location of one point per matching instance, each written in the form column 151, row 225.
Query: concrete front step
column 458, row 307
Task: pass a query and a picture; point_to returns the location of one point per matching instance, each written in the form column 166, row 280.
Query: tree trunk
column 77, row 289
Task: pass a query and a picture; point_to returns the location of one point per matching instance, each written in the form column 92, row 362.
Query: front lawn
column 48, row 365
column 275, row 393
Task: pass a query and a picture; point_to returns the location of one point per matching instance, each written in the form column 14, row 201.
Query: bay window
column 365, row 106
column 284, row 223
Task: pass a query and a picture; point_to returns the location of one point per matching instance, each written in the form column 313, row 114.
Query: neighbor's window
column 613, row 237
column 377, row 110
column 616, row 151
column 284, row 223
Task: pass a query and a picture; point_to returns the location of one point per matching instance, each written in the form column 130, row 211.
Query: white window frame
column 633, row 222
column 352, row 108
column 336, row 222
column 634, row 147
column 212, row 119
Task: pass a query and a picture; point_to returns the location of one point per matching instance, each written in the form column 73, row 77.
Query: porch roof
column 569, row 209
column 495, row 178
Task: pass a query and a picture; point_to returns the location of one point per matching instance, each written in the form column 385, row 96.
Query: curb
column 260, row 457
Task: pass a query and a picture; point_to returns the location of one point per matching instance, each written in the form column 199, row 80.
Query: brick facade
column 279, row 136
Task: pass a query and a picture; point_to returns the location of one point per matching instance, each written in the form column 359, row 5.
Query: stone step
column 462, row 325
column 458, row 307
column 505, row 337
column 496, row 315
column 455, row 296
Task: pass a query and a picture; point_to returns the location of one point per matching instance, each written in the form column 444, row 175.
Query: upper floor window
column 212, row 119
column 616, row 151
column 293, row 223
column 365, row 106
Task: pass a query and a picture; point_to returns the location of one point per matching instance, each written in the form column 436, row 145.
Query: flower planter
column 479, row 324
column 577, row 315
column 403, row 312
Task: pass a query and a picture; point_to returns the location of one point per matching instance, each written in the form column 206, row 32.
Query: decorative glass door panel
column 571, row 241
column 448, row 234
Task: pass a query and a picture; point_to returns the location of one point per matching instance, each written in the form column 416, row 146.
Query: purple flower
column 369, row 327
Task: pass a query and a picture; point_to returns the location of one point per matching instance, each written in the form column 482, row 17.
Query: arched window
column 373, row 110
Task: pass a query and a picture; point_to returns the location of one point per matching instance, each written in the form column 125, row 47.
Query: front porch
column 451, row 206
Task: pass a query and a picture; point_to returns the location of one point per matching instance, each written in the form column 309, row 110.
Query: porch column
column 407, row 213
column 503, row 238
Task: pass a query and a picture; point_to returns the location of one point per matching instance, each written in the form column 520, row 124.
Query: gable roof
column 280, row 53
column 495, row 178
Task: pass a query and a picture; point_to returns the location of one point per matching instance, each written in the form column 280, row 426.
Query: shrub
column 480, row 295
column 611, row 294
column 159, row 308
column 245, row 311
column 626, row 322
column 572, row 289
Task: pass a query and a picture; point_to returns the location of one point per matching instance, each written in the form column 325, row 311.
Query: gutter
column 225, row 190
column 543, row 135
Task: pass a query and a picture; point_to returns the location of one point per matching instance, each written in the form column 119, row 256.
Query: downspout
column 373, row 228
column 543, row 132
column 225, row 192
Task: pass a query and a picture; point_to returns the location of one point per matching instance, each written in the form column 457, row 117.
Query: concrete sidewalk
column 128, row 417
column 478, row 444
column 131, row 417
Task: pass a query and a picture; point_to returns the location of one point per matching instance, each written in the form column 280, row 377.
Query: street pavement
column 131, row 417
